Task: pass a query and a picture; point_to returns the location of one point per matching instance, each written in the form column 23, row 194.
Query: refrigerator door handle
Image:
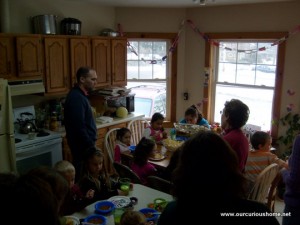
column 12, row 153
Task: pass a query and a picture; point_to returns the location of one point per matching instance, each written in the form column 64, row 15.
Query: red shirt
column 239, row 143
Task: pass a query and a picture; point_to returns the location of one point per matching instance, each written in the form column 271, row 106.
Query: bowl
column 132, row 148
column 95, row 219
column 72, row 220
column 150, row 214
column 104, row 207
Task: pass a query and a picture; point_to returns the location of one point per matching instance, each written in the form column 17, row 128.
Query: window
column 244, row 73
column 242, row 68
column 150, row 68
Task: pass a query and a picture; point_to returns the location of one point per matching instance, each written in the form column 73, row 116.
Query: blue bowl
column 150, row 214
column 96, row 219
column 104, row 207
column 132, row 148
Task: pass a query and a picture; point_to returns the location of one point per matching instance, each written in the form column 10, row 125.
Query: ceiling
column 176, row 3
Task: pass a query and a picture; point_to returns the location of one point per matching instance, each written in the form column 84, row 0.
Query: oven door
column 45, row 153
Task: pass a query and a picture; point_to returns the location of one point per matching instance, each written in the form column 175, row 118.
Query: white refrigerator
column 7, row 137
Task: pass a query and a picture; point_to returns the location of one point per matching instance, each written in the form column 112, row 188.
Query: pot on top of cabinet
column 44, row 24
column 71, row 26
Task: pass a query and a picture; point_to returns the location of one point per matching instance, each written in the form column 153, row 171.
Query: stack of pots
column 44, row 24
column 71, row 26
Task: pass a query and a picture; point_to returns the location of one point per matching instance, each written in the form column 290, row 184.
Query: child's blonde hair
column 131, row 217
column 64, row 167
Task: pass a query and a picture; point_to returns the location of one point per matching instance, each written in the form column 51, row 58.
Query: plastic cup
column 125, row 185
column 117, row 215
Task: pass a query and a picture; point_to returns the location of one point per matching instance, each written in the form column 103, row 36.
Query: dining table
column 142, row 194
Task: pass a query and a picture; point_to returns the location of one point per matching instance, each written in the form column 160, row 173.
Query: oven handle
column 34, row 146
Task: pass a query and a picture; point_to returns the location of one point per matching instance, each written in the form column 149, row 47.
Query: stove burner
column 42, row 134
column 17, row 140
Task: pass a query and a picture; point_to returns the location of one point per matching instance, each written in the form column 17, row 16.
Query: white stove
column 44, row 149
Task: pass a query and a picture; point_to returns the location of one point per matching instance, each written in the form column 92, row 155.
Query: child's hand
column 90, row 194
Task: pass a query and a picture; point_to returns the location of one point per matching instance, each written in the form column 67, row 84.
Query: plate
column 120, row 201
column 157, row 159
column 72, row 220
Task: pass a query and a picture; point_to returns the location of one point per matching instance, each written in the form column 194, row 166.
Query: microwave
column 125, row 101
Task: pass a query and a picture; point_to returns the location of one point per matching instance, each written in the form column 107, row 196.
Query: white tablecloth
column 144, row 194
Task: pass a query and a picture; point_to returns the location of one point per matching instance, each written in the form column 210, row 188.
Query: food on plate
column 171, row 145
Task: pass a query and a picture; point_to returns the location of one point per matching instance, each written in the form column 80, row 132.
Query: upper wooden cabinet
column 29, row 56
column 80, row 55
column 119, row 62
column 101, row 62
column 7, row 57
column 57, row 66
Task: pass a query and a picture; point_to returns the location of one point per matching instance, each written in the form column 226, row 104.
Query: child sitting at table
column 75, row 199
column 260, row 157
column 140, row 165
column 193, row 116
column 122, row 143
column 156, row 131
column 94, row 176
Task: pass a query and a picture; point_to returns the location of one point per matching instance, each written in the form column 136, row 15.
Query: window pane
column 145, row 70
column 254, row 66
column 259, row 102
column 132, row 70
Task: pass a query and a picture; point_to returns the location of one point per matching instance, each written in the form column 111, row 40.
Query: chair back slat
column 110, row 142
column 137, row 128
column 263, row 182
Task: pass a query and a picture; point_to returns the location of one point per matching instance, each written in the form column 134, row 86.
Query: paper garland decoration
column 206, row 38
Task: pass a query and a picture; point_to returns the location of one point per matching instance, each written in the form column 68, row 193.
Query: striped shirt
column 258, row 160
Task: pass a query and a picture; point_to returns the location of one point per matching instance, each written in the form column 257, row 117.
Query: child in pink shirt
column 140, row 165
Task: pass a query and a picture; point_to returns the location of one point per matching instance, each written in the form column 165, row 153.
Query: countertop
column 116, row 120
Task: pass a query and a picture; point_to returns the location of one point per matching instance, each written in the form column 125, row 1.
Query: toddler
column 261, row 157
column 156, row 131
column 95, row 177
column 122, row 143
column 75, row 200
column 140, row 165
column 131, row 217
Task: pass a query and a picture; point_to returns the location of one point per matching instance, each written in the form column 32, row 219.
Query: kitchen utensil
column 71, row 26
column 44, row 24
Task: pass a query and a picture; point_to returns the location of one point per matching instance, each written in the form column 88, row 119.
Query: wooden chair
column 273, row 191
column 125, row 171
column 159, row 183
column 262, row 185
column 110, row 142
column 137, row 128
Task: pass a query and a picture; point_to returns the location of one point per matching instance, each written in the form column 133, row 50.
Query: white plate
column 158, row 159
column 72, row 220
column 120, row 201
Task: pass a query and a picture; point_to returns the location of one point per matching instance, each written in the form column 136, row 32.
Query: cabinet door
column 29, row 56
column 7, row 60
column 119, row 62
column 101, row 61
column 57, row 65
column 80, row 55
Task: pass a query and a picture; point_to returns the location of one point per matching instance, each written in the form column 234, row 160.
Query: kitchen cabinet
column 109, row 59
column 7, row 57
column 80, row 55
column 29, row 56
column 119, row 62
column 57, row 66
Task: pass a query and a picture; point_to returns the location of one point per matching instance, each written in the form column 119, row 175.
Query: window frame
column 247, row 36
column 172, row 79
